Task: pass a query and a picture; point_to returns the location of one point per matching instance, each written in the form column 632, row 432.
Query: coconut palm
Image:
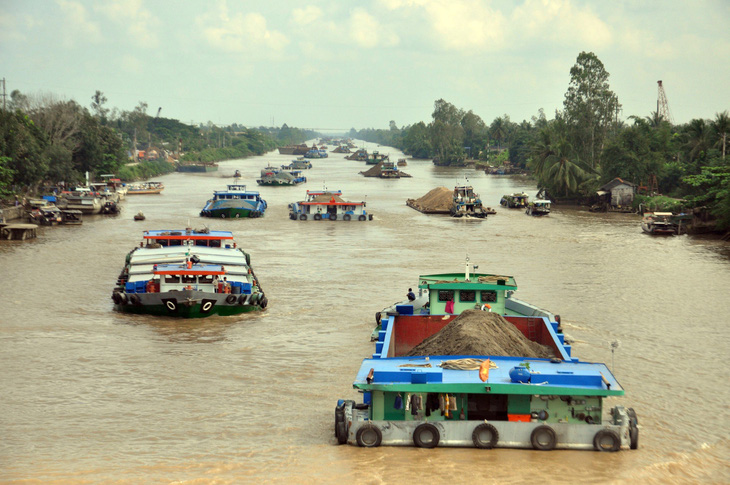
column 721, row 125
column 698, row 138
column 555, row 162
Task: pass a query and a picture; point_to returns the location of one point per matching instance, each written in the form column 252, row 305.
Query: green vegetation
column 45, row 141
column 584, row 146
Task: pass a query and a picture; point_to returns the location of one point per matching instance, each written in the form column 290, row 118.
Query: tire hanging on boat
column 346, row 217
column 426, row 435
column 607, row 440
column 231, row 299
column 485, row 436
column 369, row 436
column 361, row 218
column 543, row 438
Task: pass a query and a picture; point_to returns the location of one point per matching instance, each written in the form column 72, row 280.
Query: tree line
column 45, row 141
column 584, row 146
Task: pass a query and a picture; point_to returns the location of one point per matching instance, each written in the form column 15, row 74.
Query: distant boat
column 274, row 177
column 198, row 167
column 144, row 188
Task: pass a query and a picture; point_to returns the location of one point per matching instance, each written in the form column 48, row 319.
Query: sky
column 332, row 65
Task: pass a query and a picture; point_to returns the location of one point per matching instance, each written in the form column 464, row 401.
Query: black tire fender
column 369, row 436
column 426, row 435
column 333, row 217
column 361, row 218
column 302, row 217
column 346, row 217
column 607, row 440
column 634, row 437
column 543, row 438
column 231, row 299
column 264, row 302
column 242, row 300
column 483, row 431
column 117, row 299
column 135, row 299
column 317, row 217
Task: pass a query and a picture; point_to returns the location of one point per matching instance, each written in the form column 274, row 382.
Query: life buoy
column 205, row 307
column 223, row 216
column 485, row 436
column 543, row 438
column 369, row 436
column 171, row 305
column 426, row 435
column 346, row 217
column 607, row 440
column 230, row 299
column 238, row 215
column 361, row 218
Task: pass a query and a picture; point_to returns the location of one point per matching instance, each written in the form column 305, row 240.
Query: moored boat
column 360, row 155
column 466, row 203
column 376, row 158
column 145, row 188
column 294, row 149
column 201, row 167
column 235, row 202
column 491, row 400
column 539, row 207
column 80, row 199
column 664, row 223
column 188, row 274
column 328, row 205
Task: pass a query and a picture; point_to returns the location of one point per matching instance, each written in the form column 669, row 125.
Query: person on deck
column 411, row 296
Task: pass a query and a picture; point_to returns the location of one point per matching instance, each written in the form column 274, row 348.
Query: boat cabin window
column 489, row 296
column 467, row 295
column 215, row 243
column 188, row 279
column 446, row 295
column 205, row 279
column 487, row 406
column 172, row 279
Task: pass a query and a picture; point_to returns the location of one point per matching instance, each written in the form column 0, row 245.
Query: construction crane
column 662, row 105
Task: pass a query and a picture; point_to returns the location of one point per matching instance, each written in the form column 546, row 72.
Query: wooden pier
column 18, row 232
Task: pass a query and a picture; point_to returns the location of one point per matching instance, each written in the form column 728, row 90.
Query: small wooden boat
column 139, row 216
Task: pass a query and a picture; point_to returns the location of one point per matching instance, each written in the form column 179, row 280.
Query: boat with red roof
column 328, row 204
column 189, row 274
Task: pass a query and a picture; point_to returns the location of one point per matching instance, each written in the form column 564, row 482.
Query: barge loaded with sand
column 465, row 364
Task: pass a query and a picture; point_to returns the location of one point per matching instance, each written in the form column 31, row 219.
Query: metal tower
column 662, row 105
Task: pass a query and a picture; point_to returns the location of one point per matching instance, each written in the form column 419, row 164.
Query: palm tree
column 698, row 138
column 555, row 162
column 721, row 125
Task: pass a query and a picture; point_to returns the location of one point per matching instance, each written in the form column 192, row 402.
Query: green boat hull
column 184, row 311
column 234, row 213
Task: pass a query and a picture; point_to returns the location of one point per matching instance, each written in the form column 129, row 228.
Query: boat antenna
column 614, row 345
column 466, row 274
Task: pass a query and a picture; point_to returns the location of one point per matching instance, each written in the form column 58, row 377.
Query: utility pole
column 4, row 96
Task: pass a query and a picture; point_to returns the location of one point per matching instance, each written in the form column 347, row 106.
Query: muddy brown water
column 94, row 396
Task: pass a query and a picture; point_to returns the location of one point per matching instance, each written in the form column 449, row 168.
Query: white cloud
column 139, row 21
column 241, row 32
column 81, row 28
column 367, row 32
column 131, row 64
column 560, row 21
column 306, row 15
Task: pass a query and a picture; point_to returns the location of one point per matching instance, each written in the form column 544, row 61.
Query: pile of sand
column 375, row 170
column 476, row 332
column 437, row 201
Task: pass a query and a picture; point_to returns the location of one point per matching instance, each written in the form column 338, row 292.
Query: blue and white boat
column 235, row 202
